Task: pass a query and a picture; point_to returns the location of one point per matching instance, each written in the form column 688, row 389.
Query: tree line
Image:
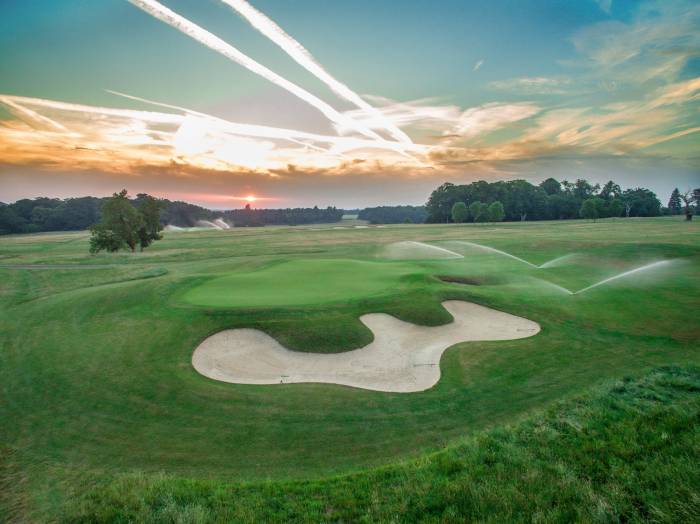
column 394, row 214
column 249, row 217
column 77, row 214
column 550, row 200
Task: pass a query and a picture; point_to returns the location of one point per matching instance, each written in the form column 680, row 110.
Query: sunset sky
column 353, row 104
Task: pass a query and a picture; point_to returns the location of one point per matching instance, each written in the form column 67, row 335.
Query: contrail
column 106, row 128
column 339, row 142
column 304, row 58
column 213, row 42
column 24, row 113
column 149, row 116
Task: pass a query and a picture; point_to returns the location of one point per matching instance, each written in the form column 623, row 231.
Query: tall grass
column 626, row 452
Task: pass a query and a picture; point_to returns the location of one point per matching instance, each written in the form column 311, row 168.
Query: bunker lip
column 402, row 358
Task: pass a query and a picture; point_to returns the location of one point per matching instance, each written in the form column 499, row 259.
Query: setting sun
column 250, row 198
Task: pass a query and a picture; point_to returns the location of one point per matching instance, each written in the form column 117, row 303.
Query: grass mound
column 629, row 452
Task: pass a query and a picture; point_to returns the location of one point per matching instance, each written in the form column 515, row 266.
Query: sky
column 352, row 104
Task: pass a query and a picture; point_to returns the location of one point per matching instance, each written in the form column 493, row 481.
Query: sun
column 251, row 198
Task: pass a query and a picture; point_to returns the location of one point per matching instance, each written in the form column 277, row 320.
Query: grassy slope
column 626, row 453
column 94, row 363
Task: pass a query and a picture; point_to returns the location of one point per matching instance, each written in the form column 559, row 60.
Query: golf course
column 592, row 415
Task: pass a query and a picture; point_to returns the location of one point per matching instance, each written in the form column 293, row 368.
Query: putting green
column 300, row 282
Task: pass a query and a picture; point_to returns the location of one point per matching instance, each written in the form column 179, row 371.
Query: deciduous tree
column 496, row 212
column 119, row 226
column 459, row 213
column 591, row 208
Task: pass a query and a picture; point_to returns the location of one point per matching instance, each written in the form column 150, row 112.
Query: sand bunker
column 402, row 358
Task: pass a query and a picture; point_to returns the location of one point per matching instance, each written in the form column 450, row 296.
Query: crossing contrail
column 304, row 58
column 213, row 42
column 339, row 143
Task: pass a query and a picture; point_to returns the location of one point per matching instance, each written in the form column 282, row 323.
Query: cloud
column 109, row 138
column 538, row 85
column 450, row 121
column 654, row 45
column 477, row 121
column 446, row 138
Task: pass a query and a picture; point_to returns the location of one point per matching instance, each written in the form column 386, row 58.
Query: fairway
column 97, row 374
column 300, row 282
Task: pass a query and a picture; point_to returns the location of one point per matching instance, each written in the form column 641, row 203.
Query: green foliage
column 496, row 212
column 478, row 211
column 591, row 208
column 624, row 453
column 291, row 216
column 104, row 239
column 150, row 229
column 120, row 225
column 460, row 213
column 53, row 214
column 551, row 186
column 675, row 206
column 393, row 214
column 551, row 200
column 640, row 202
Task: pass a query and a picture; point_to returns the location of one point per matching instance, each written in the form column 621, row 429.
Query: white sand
column 402, row 358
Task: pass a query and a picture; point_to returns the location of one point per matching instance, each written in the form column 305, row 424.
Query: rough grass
column 96, row 380
column 629, row 452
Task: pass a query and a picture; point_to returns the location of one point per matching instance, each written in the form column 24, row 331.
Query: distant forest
column 551, row 200
column 521, row 200
column 73, row 214
column 394, row 214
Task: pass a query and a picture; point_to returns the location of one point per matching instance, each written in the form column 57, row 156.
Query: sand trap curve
column 402, row 358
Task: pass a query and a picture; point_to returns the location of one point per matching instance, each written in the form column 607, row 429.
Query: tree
column 551, row 186
column 119, row 226
column 583, row 190
column 524, row 201
column 674, row 203
column 496, row 212
column 477, row 211
column 459, row 213
column 610, row 191
column 688, row 198
column 591, row 208
column 440, row 203
column 104, row 239
column 151, row 227
column 641, row 202
column 615, row 207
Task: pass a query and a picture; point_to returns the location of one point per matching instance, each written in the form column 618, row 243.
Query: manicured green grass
column 300, row 282
column 96, row 380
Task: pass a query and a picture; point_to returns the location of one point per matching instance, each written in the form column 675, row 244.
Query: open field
column 96, row 378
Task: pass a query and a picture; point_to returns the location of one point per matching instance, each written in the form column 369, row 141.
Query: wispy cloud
column 536, row 85
column 654, row 46
column 384, row 135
